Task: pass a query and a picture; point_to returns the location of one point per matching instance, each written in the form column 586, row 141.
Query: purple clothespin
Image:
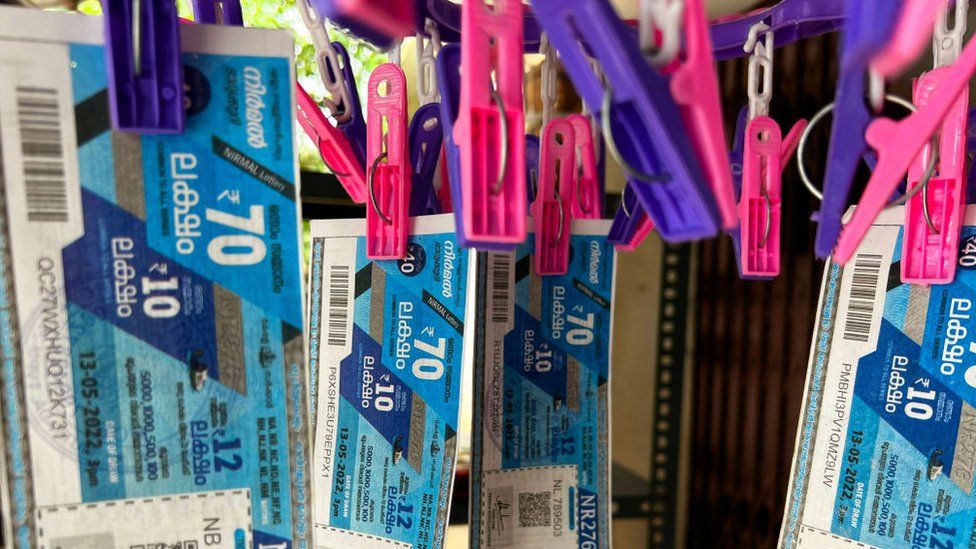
column 425, row 136
column 145, row 72
column 449, row 84
column 736, row 161
column 532, row 153
column 218, row 12
column 869, row 23
column 631, row 225
column 354, row 128
column 789, row 21
column 638, row 113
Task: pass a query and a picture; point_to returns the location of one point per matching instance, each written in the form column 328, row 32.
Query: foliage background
column 283, row 14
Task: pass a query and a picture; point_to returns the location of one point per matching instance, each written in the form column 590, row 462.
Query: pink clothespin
column 645, row 228
column 933, row 215
column 333, row 145
column 898, row 144
column 694, row 87
column 912, row 30
column 588, row 202
column 490, row 127
column 765, row 155
column 553, row 206
column 389, row 174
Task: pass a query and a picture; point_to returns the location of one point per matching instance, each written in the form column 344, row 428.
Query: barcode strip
column 861, row 301
column 500, row 265
column 338, row 304
column 43, row 153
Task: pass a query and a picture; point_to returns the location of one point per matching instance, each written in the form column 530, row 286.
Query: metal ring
column 137, row 36
column 805, row 136
column 623, row 200
column 769, row 214
column 629, row 170
column 372, row 191
column 318, row 146
column 562, row 220
column 503, row 121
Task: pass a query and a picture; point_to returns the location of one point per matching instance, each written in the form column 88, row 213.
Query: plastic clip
column 552, row 208
column 145, row 71
column 490, row 127
column 332, row 145
column 588, row 200
column 388, row 183
column 426, row 137
column 631, row 224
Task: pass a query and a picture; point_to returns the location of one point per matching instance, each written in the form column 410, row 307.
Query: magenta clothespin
column 389, row 174
column 694, row 87
column 911, row 33
column 897, row 144
column 333, row 146
column 490, row 129
column 930, row 252
column 588, row 202
column 760, row 204
column 553, row 206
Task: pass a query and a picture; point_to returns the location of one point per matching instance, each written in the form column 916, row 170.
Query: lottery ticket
column 541, row 412
column 151, row 309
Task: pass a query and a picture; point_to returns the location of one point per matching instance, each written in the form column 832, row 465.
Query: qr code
column 534, row 509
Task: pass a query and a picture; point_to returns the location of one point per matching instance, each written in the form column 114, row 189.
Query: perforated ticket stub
column 541, row 418
column 886, row 445
column 151, row 308
column 387, row 343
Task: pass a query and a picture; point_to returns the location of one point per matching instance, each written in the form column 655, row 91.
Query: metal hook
column 562, row 220
column 503, row 122
column 769, row 214
column 318, row 146
column 137, row 36
column 372, row 191
column 629, row 170
column 623, row 200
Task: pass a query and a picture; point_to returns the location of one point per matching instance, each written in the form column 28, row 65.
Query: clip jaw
column 588, row 202
column 933, row 216
column 386, row 149
column 552, row 209
column 332, row 145
column 490, row 124
column 145, row 71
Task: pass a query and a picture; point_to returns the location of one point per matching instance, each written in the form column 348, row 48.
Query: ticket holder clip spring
column 641, row 121
column 380, row 22
column 332, row 144
column 868, row 27
column 426, row 137
column 145, row 71
column 490, row 126
column 552, row 209
column 898, row 144
column 218, row 12
column 449, row 83
column 934, row 215
column 588, row 199
column 388, row 182
column 694, row 85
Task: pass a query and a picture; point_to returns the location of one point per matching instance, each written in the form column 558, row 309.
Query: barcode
column 500, row 266
column 861, row 300
column 535, row 509
column 338, row 304
column 43, row 153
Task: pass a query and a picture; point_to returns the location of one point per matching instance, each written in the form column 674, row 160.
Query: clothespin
column 934, row 214
column 378, row 21
column 333, row 146
column 353, row 125
column 912, row 30
column 447, row 15
column 788, row 20
column 588, row 199
column 631, row 224
column 552, row 208
column 898, row 143
column 764, row 154
column 869, row 23
column 641, row 123
column 426, row 138
column 386, row 150
column 218, row 12
column 145, row 71
column 490, row 125
column 694, row 86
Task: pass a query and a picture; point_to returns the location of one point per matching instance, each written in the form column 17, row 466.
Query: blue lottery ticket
column 540, row 463
column 386, row 346
column 151, row 309
column 886, row 445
